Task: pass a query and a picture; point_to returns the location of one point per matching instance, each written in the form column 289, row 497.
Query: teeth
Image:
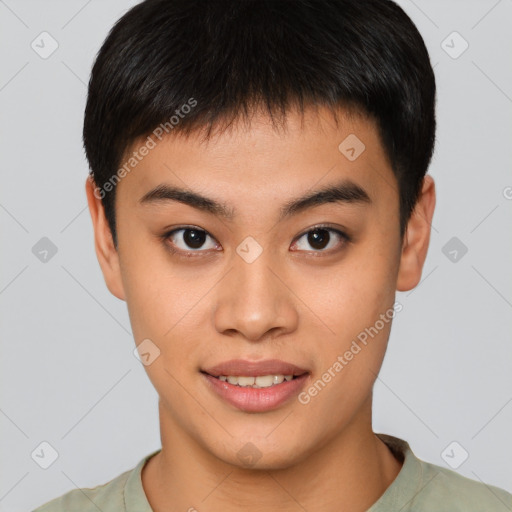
column 263, row 381
column 243, row 381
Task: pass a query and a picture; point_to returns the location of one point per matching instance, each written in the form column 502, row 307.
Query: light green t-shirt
column 418, row 487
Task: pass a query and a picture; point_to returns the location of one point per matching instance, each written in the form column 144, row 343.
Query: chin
column 261, row 455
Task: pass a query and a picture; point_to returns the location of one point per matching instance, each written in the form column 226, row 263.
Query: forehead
column 263, row 161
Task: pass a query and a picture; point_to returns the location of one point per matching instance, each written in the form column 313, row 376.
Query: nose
column 255, row 301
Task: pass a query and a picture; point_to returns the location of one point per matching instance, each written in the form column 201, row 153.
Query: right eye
column 189, row 239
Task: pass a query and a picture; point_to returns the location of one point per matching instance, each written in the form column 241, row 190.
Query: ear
column 417, row 237
column 106, row 252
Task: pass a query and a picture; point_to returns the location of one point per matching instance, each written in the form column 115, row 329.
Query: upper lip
column 241, row 367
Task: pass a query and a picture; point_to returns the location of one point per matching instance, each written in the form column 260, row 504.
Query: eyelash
column 345, row 239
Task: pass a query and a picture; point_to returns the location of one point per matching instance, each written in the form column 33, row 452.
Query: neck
column 349, row 472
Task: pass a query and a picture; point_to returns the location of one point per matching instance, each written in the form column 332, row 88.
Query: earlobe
column 417, row 238
column 106, row 252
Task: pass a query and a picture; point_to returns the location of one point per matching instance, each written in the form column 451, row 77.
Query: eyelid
column 327, row 227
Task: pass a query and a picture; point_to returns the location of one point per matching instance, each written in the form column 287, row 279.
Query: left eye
column 320, row 239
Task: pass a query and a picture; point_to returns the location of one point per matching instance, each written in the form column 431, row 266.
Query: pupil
column 318, row 238
column 194, row 238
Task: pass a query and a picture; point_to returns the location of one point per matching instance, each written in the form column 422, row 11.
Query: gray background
column 68, row 373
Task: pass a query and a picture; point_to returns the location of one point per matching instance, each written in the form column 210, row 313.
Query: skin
column 291, row 303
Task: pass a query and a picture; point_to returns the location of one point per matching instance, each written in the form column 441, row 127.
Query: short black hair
column 220, row 59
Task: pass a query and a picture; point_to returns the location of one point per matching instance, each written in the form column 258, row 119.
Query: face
column 284, row 252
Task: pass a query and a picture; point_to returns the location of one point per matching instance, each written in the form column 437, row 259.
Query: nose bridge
column 253, row 300
column 255, row 279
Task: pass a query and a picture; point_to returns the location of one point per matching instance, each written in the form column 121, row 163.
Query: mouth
column 260, row 381
column 256, row 387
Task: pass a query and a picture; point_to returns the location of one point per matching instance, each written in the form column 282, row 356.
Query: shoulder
column 425, row 487
column 108, row 497
column 444, row 489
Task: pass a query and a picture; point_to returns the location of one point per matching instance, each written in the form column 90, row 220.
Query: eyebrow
column 344, row 192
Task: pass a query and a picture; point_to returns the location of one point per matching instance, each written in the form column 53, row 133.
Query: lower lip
column 257, row 399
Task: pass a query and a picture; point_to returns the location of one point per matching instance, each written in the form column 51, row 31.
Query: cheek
column 167, row 304
column 157, row 294
column 162, row 304
column 350, row 296
column 356, row 304
column 350, row 363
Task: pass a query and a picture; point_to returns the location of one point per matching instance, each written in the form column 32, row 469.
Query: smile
column 261, row 381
